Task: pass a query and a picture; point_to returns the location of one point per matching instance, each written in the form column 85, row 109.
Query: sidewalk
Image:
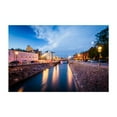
column 89, row 77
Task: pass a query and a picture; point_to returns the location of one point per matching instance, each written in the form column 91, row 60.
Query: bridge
column 63, row 60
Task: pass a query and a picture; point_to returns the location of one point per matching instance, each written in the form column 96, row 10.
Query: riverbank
column 89, row 77
column 23, row 72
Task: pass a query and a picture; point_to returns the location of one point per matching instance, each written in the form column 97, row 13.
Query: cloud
column 54, row 37
column 65, row 39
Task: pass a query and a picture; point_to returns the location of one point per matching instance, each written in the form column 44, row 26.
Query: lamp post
column 16, row 54
column 99, row 51
column 79, row 56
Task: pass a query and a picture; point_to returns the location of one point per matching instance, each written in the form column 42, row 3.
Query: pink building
column 22, row 56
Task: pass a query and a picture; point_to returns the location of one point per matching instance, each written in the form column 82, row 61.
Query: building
column 81, row 56
column 29, row 48
column 85, row 56
column 22, row 57
column 39, row 53
column 48, row 55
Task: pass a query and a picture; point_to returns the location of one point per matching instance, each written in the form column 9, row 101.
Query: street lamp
column 16, row 54
column 78, row 56
column 99, row 51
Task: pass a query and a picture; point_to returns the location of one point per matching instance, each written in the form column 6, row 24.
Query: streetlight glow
column 100, row 49
column 78, row 54
column 16, row 53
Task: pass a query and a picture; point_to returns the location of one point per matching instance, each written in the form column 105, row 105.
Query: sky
column 64, row 40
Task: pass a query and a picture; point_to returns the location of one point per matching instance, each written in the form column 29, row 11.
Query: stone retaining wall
column 20, row 73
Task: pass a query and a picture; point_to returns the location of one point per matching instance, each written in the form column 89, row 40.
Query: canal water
column 56, row 79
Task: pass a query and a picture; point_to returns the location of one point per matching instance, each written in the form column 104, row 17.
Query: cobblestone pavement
column 88, row 77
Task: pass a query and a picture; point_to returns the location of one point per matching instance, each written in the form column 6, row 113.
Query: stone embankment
column 23, row 72
column 88, row 77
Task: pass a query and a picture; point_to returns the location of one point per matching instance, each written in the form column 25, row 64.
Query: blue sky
column 64, row 40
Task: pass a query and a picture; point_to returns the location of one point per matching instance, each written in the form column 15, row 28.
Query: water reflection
column 57, row 71
column 44, row 79
column 58, row 78
column 69, row 77
column 55, row 76
column 20, row 89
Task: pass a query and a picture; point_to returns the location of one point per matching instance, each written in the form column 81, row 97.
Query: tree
column 93, row 53
column 102, row 39
column 12, row 48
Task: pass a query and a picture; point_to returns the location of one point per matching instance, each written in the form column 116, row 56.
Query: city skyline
column 64, row 40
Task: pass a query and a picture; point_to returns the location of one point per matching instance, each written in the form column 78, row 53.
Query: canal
column 56, row 79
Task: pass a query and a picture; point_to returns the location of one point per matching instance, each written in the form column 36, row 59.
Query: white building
column 48, row 55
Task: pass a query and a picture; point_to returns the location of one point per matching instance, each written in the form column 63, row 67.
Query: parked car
column 103, row 61
column 13, row 63
column 92, row 61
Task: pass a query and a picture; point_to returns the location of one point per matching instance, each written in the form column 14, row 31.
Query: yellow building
column 29, row 48
column 81, row 56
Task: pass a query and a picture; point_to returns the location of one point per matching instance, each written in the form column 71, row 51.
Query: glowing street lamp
column 16, row 54
column 99, row 51
column 78, row 56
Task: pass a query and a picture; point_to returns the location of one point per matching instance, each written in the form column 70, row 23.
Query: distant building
column 81, row 56
column 22, row 56
column 85, row 56
column 29, row 48
column 39, row 53
column 48, row 55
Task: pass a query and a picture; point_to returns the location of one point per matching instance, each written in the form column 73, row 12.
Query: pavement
column 90, row 77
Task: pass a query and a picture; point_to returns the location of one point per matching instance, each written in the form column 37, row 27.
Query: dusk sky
column 64, row 40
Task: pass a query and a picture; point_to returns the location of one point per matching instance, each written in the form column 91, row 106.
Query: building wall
column 81, row 56
column 48, row 55
column 22, row 56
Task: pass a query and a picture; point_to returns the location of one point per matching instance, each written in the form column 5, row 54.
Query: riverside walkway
column 89, row 77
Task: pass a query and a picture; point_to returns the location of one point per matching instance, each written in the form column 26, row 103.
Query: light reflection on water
column 59, row 78
column 69, row 77
column 55, row 75
column 21, row 89
column 44, row 79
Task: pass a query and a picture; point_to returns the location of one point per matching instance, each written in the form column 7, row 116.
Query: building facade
column 81, row 56
column 48, row 55
column 22, row 56
column 29, row 48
